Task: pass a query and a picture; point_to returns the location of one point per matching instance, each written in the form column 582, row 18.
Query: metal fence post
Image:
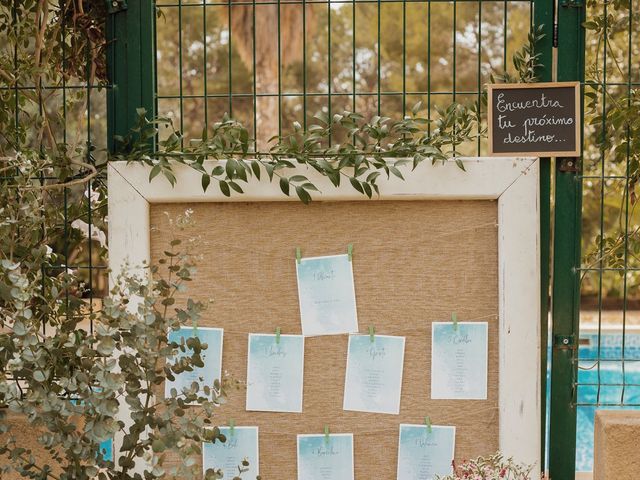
column 566, row 263
column 130, row 57
column 543, row 13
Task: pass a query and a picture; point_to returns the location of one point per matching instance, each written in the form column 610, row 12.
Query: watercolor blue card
column 373, row 381
column 275, row 372
column 240, row 445
column 319, row 459
column 459, row 361
column 106, row 449
column 424, row 454
column 211, row 357
column 327, row 295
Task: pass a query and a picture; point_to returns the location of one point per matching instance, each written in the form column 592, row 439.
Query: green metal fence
column 74, row 104
column 270, row 63
column 566, row 261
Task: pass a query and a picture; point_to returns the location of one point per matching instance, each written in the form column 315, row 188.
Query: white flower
column 92, row 195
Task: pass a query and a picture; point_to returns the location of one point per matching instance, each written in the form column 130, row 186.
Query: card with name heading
column 241, row 444
column 327, row 295
column 459, row 361
column 373, row 381
column 322, row 459
column 275, row 371
column 211, row 357
column 424, row 454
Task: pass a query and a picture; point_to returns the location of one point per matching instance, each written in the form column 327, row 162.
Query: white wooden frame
column 512, row 182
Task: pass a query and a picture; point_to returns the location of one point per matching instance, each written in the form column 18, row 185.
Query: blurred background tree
column 316, row 58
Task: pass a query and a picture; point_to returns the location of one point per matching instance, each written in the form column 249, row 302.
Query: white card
column 319, row 459
column 228, row 456
column 373, row 381
column 423, row 454
column 459, row 361
column 275, row 373
column 327, row 295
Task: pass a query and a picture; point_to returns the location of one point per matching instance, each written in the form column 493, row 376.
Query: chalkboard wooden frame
column 542, row 85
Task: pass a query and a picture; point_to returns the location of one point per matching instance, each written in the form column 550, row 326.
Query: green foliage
column 50, row 52
column 376, row 147
column 612, row 149
column 71, row 383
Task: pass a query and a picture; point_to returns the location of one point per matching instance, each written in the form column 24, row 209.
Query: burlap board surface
column 414, row 263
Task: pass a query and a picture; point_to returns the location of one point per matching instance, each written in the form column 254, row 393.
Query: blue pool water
column 611, row 371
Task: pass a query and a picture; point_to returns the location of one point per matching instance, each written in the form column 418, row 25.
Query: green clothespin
column 350, row 251
column 326, row 434
column 454, row 319
column 372, row 333
column 232, row 427
column 298, row 255
column 427, row 422
column 278, row 335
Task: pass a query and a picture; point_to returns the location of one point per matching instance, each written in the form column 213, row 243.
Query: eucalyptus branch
column 33, row 465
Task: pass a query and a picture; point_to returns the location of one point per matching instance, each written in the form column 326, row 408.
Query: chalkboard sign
column 534, row 119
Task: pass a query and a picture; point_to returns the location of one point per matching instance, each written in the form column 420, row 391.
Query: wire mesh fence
column 60, row 111
column 272, row 63
column 275, row 62
column 609, row 340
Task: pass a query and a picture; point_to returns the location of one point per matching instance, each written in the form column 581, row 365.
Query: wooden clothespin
column 427, row 422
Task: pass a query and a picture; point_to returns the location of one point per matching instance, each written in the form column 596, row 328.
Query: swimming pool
column 610, row 376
